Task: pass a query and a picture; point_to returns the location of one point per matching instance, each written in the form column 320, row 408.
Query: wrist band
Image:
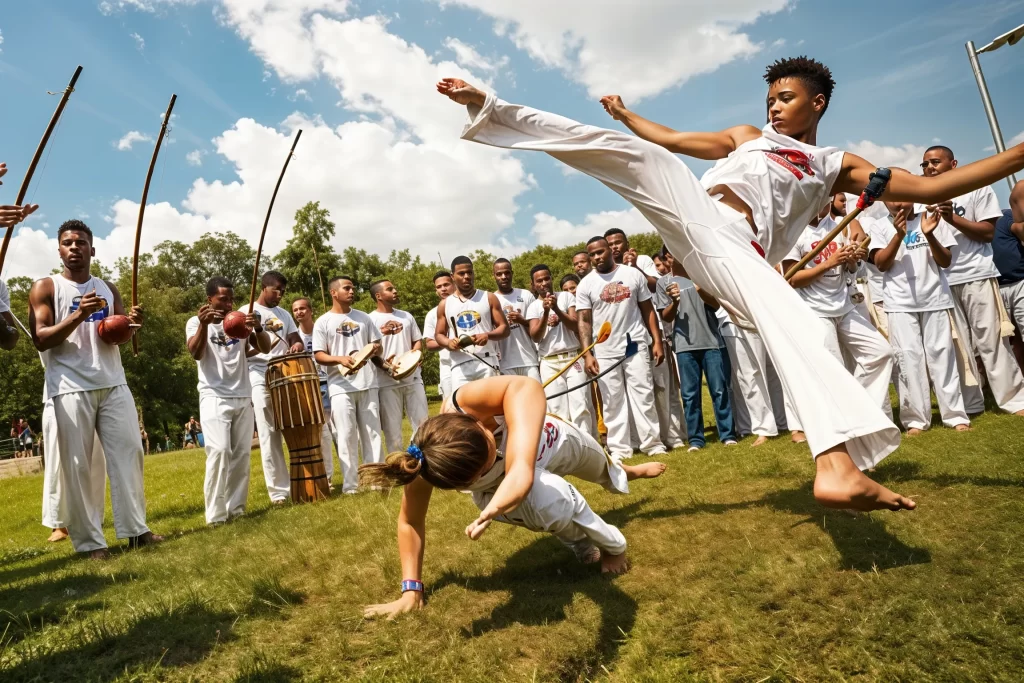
column 410, row 585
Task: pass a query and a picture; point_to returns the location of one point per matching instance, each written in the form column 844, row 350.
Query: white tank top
column 784, row 182
column 472, row 316
column 83, row 361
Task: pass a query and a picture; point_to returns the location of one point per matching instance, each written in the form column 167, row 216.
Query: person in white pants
column 355, row 406
column 668, row 399
column 85, row 381
column 494, row 440
column 225, row 405
column 285, row 339
column 302, row 312
column 919, row 306
column 619, row 295
column 973, row 281
column 767, row 185
column 823, row 285
column 517, row 350
column 1008, row 253
column 755, row 390
column 553, row 327
column 399, row 334
column 444, row 286
column 476, row 314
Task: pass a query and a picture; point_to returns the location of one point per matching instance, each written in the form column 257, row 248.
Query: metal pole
column 990, row 112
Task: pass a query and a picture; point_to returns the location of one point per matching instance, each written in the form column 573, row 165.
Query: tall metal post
column 990, row 112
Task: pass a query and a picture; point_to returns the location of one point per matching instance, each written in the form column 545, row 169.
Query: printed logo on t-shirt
column 552, row 319
column 959, row 210
column 348, row 328
column 914, row 240
column 614, row 292
column 221, row 339
column 548, row 438
column 824, row 256
column 792, row 160
column 95, row 317
column 509, row 309
column 467, row 320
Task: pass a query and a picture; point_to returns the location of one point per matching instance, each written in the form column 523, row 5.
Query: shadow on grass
column 908, row 470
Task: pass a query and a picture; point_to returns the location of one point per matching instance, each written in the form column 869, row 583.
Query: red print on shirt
column 793, row 160
column 614, row 292
column 825, row 253
column 548, row 438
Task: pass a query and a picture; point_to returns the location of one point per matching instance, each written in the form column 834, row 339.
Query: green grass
column 738, row 575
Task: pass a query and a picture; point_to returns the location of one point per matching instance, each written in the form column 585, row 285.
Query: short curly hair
column 815, row 75
column 74, row 225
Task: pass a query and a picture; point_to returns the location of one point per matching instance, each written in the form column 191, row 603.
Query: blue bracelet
column 411, row 585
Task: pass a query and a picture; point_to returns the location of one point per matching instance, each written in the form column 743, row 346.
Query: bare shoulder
column 42, row 289
column 743, row 133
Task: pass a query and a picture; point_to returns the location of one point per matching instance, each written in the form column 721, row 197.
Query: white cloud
column 1, row 41
column 130, row 138
column 195, row 157
column 907, row 156
column 140, row 43
column 639, row 52
column 558, row 232
column 300, row 94
column 112, row 6
column 467, row 56
column 1016, row 139
column 781, row 42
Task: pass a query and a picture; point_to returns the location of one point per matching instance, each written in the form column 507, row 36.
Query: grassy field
column 738, row 575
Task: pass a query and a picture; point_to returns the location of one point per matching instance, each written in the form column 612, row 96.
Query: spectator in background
column 698, row 346
column 581, row 264
column 25, row 437
column 16, row 435
column 193, row 428
column 569, row 283
column 1008, row 254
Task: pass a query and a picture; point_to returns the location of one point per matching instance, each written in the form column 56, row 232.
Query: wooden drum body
column 294, row 387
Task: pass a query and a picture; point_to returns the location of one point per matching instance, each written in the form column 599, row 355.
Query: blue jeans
column 712, row 365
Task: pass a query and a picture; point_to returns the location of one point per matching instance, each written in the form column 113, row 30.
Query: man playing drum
column 284, row 339
column 225, row 408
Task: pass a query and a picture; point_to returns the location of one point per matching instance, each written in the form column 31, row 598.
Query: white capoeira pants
column 470, row 371
column 275, row 469
column 327, row 439
column 54, row 512
column 1013, row 299
column 628, row 395
column 755, row 385
column 109, row 415
column 395, row 402
column 668, row 402
column 556, row 506
column 574, row 407
column 227, row 433
column 356, row 418
column 977, row 302
column 713, row 243
column 526, row 371
column 923, row 342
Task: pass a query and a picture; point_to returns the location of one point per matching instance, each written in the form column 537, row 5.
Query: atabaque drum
column 294, row 387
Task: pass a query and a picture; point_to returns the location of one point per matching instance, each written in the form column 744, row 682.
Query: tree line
column 172, row 286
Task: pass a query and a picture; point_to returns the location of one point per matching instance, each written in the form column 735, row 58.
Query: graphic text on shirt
column 95, row 317
column 614, row 292
column 467, row 320
column 348, row 328
column 793, row 160
column 548, row 437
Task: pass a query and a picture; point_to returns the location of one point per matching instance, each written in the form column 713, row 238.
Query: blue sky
column 382, row 152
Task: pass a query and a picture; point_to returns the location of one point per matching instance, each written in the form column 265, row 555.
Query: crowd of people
column 925, row 285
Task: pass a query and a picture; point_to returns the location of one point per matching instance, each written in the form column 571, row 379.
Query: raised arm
column 710, row 146
column 906, row 187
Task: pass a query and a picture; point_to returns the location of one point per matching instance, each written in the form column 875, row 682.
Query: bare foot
column 142, row 540
column 839, row 484
column 759, row 441
column 1020, row 413
column 100, row 554
column 913, row 431
column 457, row 90
column 58, row 535
column 614, row 564
column 798, row 437
column 649, row 470
column 962, row 428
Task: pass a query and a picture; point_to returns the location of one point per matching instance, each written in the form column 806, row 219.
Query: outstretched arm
column 710, row 146
column 906, row 187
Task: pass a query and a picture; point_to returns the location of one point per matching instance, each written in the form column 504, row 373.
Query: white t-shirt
column 558, row 338
column 344, row 334
column 915, row 282
column 645, row 264
column 972, row 260
column 258, row 363
column 397, row 344
column 5, row 297
column 430, row 331
column 223, row 369
column 615, row 297
column 517, row 349
column 874, row 275
column 828, row 296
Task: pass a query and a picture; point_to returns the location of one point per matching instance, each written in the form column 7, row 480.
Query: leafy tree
column 308, row 259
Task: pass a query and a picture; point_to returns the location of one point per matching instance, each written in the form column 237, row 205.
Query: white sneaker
column 691, row 449
column 729, row 442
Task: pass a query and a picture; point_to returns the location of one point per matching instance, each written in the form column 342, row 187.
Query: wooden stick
column 602, row 336
column 142, row 214
column 319, row 273
column 825, row 241
column 23, row 190
column 263, row 233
